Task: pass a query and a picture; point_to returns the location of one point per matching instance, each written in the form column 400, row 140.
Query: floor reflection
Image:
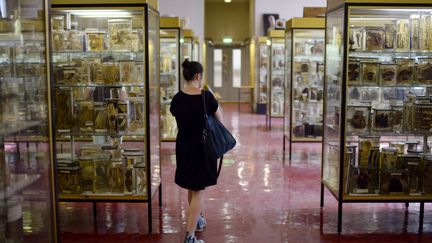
column 258, row 199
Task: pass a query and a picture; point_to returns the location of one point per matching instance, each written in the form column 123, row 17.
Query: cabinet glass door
column 169, row 79
column 332, row 115
column 187, row 49
column 27, row 205
column 263, row 75
column 154, row 112
column 277, row 65
column 388, row 102
column 307, row 82
column 102, row 87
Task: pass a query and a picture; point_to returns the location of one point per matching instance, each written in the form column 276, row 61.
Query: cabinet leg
column 269, row 122
column 266, row 127
column 149, row 217
column 339, row 217
column 283, row 151
column 160, row 195
column 95, row 217
column 28, row 154
column 290, row 151
column 322, row 195
column 94, row 211
column 406, row 206
column 421, row 217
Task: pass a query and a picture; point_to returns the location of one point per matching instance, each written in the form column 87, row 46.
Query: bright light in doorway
column 227, row 40
column 268, row 42
column 227, row 1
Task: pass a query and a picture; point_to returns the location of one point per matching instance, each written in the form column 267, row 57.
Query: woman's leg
column 195, row 206
column 189, row 196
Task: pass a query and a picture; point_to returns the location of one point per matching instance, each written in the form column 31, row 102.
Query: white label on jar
column 362, row 190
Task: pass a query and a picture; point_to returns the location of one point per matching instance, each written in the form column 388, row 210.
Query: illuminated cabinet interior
column 262, row 84
column 304, row 80
column 276, row 73
column 171, row 54
column 376, row 145
column 105, row 62
column 27, row 194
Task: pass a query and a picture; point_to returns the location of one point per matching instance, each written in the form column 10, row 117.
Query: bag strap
column 205, row 116
column 220, row 166
column 204, row 102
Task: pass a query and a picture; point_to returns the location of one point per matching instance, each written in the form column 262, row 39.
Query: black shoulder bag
column 217, row 140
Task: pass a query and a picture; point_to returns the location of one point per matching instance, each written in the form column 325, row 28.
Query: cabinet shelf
column 17, row 127
column 390, row 86
column 168, row 73
column 391, row 52
column 17, row 61
column 112, row 134
column 309, row 58
column 99, row 85
column 91, row 197
column 306, row 139
column 17, row 183
column 80, row 53
column 387, row 198
column 389, row 134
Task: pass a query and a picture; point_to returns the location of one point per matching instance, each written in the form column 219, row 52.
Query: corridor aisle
column 258, row 199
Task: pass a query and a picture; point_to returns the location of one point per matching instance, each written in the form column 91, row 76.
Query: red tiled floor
column 257, row 199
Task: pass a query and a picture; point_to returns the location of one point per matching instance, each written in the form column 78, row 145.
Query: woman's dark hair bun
column 190, row 69
column 186, row 63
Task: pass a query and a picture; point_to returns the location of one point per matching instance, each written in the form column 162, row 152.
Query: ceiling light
column 227, row 40
column 227, row 1
column 100, row 13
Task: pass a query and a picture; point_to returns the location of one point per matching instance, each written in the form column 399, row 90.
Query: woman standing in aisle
column 188, row 109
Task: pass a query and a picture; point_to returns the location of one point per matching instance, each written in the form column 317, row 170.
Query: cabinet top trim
column 332, row 4
column 305, row 23
column 153, row 3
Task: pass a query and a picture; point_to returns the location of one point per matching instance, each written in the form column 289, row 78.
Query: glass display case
column 196, row 49
column 276, row 75
column 304, row 80
column 106, row 100
column 376, row 135
column 171, row 54
column 187, row 44
column 261, row 96
column 27, row 195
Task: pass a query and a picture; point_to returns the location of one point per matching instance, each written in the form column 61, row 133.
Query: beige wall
column 222, row 19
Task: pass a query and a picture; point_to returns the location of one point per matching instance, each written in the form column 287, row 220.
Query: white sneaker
column 201, row 224
column 192, row 239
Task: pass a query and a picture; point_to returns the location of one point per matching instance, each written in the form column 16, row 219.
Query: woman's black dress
column 189, row 113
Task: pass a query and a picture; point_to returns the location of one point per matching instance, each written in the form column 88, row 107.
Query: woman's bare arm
column 219, row 114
